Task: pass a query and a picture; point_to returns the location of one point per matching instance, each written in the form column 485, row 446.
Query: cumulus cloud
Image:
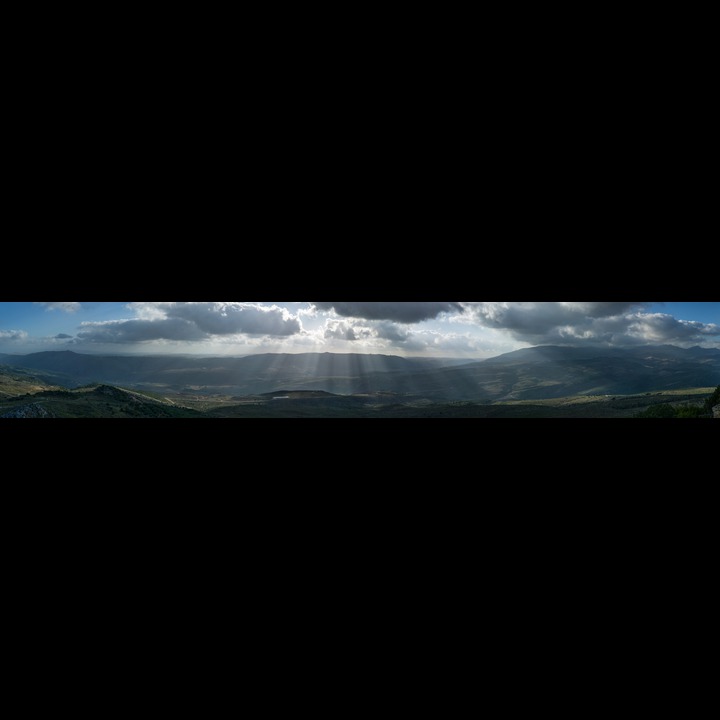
column 68, row 307
column 339, row 331
column 192, row 322
column 403, row 312
column 351, row 331
column 375, row 334
column 62, row 336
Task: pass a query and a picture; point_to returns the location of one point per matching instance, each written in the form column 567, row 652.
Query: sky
column 438, row 329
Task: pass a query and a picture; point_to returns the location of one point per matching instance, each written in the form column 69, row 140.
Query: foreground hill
column 96, row 401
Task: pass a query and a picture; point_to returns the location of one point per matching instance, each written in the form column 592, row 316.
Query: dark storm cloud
column 545, row 323
column 130, row 331
column 62, row 336
column 232, row 318
column 404, row 312
column 540, row 318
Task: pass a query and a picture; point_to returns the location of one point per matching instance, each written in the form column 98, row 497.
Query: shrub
column 713, row 400
column 689, row 411
column 662, row 410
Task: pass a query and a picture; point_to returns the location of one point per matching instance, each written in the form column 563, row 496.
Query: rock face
column 716, row 411
column 33, row 410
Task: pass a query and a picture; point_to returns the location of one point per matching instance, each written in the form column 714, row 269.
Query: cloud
column 404, row 312
column 351, row 331
column 545, row 323
column 132, row 331
column 68, row 307
column 339, row 331
column 13, row 334
column 392, row 332
column 217, row 318
column 540, row 318
column 463, row 329
column 600, row 309
column 190, row 322
column 662, row 328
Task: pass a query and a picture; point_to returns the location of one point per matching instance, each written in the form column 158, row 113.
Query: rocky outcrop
column 33, row 410
column 716, row 411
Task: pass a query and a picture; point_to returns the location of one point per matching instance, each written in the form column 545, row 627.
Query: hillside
column 18, row 381
column 537, row 373
column 553, row 372
column 96, row 401
column 333, row 372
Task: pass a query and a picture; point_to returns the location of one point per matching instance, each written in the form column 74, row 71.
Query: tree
column 713, row 400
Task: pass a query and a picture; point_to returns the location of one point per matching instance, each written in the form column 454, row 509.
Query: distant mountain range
column 527, row 374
